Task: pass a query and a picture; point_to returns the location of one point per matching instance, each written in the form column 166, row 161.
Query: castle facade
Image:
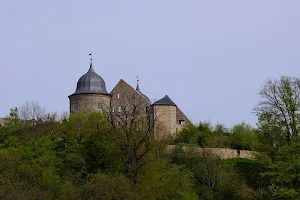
column 124, row 103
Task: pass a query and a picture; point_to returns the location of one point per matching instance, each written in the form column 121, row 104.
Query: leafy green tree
column 221, row 133
column 162, row 180
column 284, row 172
column 106, row 187
column 243, row 136
column 250, row 171
column 188, row 134
column 214, row 178
column 278, row 109
column 205, row 128
column 217, row 137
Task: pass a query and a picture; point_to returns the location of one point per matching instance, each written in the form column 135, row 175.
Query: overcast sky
column 210, row 57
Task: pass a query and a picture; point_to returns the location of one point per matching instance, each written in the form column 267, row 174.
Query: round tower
column 90, row 94
column 164, row 117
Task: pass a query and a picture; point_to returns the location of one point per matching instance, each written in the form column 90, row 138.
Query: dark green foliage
column 278, row 123
column 215, row 178
column 188, row 134
column 84, row 157
column 250, row 170
column 277, row 112
column 204, row 131
column 243, row 137
column 284, row 172
column 194, row 134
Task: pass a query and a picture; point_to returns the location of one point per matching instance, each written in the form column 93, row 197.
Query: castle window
column 182, row 122
column 99, row 106
column 72, row 107
column 118, row 96
column 119, row 109
column 147, row 109
column 113, row 109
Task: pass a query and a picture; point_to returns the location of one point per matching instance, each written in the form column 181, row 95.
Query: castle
column 124, row 103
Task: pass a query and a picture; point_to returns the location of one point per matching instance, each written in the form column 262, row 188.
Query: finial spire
column 137, row 82
column 91, row 64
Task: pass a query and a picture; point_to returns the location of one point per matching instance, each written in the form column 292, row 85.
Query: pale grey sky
column 210, row 57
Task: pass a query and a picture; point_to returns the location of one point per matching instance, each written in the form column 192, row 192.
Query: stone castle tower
column 125, row 101
column 169, row 118
column 90, row 94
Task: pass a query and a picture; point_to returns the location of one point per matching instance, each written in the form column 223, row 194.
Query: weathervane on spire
column 91, row 55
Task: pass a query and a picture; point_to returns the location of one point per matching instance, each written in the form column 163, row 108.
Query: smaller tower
column 164, row 117
column 140, row 92
column 90, row 94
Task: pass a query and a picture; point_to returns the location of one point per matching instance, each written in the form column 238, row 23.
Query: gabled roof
column 137, row 92
column 165, row 101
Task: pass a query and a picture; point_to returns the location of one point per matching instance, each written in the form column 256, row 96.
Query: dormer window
column 182, row 122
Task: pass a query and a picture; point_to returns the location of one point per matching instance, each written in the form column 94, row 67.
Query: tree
column 32, row 111
column 221, row 132
column 243, row 137
column 284, row 172
column 278, row 116
column 205, row 128
column 278, row 109
column 107, row 187
column 214, row 178
column 187, row 134
column 31, row 120
column 133, row 131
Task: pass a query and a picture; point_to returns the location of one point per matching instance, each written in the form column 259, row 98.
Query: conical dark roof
column 140, row 92
column 165, row 101
column 91, row 83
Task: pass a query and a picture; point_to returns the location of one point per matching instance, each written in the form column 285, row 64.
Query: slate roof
column 91, row 83
column 165, row 101
column 140, row 92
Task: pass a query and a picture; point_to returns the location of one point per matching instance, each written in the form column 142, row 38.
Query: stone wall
column 165, row 120
column 2, row 121
column 181, row 116
column 127, row 104
column 222, row 153
column 126, row 97
column 89, row 102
